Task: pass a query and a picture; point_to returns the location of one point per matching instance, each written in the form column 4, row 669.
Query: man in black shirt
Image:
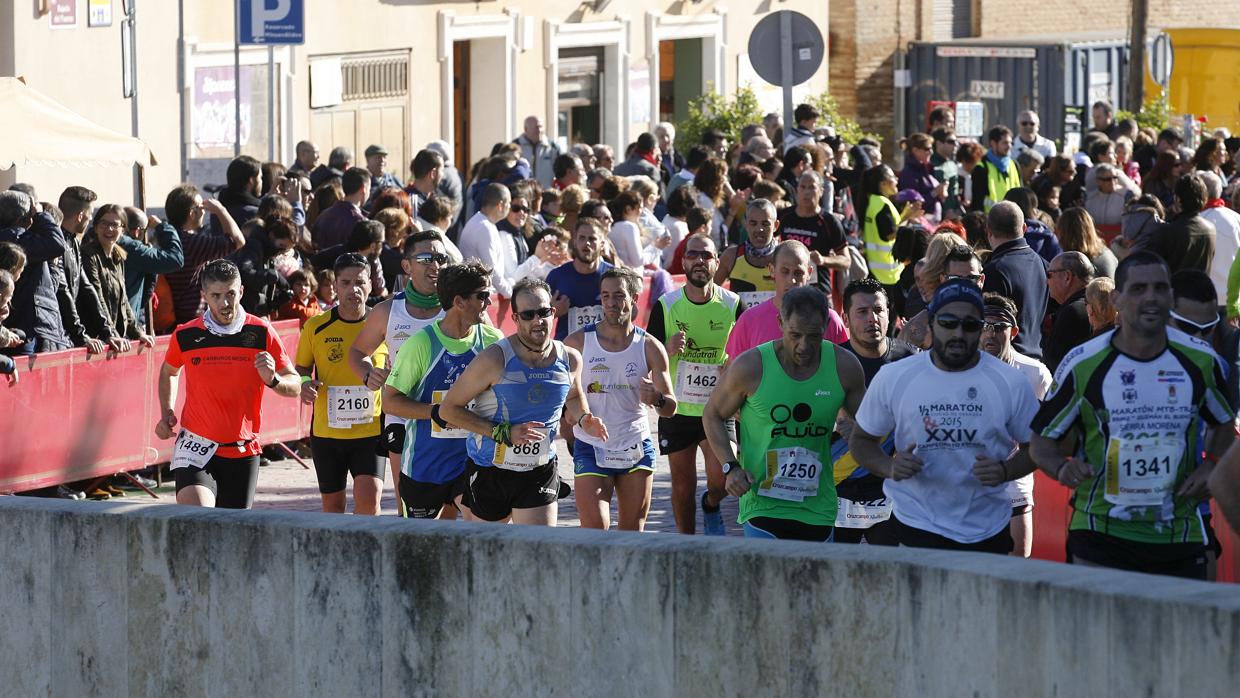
column 818, row 230
column 1066, row 277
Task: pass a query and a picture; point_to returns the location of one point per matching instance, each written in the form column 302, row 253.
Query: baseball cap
column 1170, row 134
column 955, row 291
column 376, row 150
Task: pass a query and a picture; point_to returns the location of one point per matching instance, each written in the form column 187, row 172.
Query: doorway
column 460, row 103
column 680, row 77
column 580, row 109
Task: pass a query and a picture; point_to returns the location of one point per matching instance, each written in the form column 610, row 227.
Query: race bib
column 438, row 432
column 192, row 451
column 853, row 514
column 580, row 317
column 751, row 298
column 621, row 459
column 791, row 474
column 695, row 382
column 1142, row 473
column 348, row 405
column 523, row 456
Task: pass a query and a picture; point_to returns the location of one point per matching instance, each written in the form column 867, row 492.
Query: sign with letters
column 271, row 22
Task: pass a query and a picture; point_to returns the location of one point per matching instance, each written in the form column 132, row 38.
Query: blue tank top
column 582, row 291
column 524, row 394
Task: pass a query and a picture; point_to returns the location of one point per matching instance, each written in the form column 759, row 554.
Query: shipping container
column 1051, row 75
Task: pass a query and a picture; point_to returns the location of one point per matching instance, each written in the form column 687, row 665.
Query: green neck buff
column 420, row 300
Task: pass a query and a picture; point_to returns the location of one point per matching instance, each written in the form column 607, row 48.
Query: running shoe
column 712, row 521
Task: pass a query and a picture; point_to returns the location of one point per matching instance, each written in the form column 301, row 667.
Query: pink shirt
column 760, row 324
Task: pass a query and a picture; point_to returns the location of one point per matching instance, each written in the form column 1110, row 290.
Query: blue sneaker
column 712, row 521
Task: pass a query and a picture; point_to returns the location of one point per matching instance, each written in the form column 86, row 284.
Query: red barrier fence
column 75, row 416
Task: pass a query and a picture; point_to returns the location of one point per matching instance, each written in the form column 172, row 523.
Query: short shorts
column 336, row 459
column 785, row 529
column 1020, row 491
column 680, row 432
column 1187, row 560
column 394, row 437
column 424, row 500
column 907, row 536
column 231, row 480
column 585, row 460
column 495, row 492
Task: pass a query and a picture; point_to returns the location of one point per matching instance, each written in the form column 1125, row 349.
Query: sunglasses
column 519, row 208
column 483, row 296
column 950, row 141
column 699, row 254
column 1028, row 123
column 975, row 278
column 351, row 259
column 1197, row 328
column 996, row 326
column 431, row 258
column 1106, row 179
column 534, row 313
column 951, row 322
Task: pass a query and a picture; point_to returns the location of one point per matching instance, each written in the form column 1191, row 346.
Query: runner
column 344, row 436
column 395, row 320
column 791, row 268
column 228, row 356
column 693, row 322
column 998, row 331
column 746, row 267
column 575, row 285
column 624, row 370
column 788, row 393
column 864, row 509
column 433, row 474
column 1138, row 395
column 525, row 381
column 956, row 413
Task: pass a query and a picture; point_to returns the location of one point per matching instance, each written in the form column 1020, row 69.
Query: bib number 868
column 530, row 449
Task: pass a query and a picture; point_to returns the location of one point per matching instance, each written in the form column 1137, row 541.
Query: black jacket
column 1069, row 327
column 265, row 288
column 35, row 309
column 1186, row 242
column 1014, row 270
column 82, row 311
column 241, row 205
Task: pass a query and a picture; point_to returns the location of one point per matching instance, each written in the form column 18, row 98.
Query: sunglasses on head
column 1194, row 328
column 431, row 258
column 351, row 259
column 533, row 313
column 699, row 254
column 951, row 322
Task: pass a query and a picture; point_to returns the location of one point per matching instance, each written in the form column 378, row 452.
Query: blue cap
column 957, row 291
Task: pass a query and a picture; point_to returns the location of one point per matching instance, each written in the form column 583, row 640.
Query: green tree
column 845, row 128
column 728, row 113
column 1155, row 113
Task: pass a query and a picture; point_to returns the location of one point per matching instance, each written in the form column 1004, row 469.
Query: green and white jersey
column 1140, row 426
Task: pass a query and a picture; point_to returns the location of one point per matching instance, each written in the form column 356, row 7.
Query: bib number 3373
column 791, row 474
column 192, row 451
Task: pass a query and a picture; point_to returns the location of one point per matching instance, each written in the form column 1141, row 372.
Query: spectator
column 679, row 201
column 427, row 168
column 773, row 124
column 584, row 153
column 1067, row 277
column 539, row 152
column 1142, row 216
column 307, row 159
column 626, row 235
column 438, row 216
column 273, row 173
column 797, row 160
column 1037, row 235
column 151, row 248
column 604, row 157
column 991, row 179
column 304, row 304
column 1106, row 204
column 264, row 288
column 325, row 279
column 918, row 175
column 366, row 239
column 1210, row 156
column 396, row 226
column 376, row 165
column 758, row 150
column 947, row 171
column 1104, row 119
column 1076, row 233
column 1028, row 138
column 571, row 201
column 186, row 212
column 711, row 182
column 1226, row 224
column 806, row 117
column 1169, row 141
column 1102, row 152
column 81, row 309
column 881, row 221
column 550, row 250
column 451, row 185
column 392, row 197
column 643, row 161
column 568, row 171
column 12, row 259
column 515, row 228
column 322, row 199
column 648, row 192
column 103, row 262
column 1014, row 270
column 1029, row 163
column 968, row 156
column 1099, row 306
column 941, row 117
column 1124, row 161
column 819, row 231
column 481, row 239
column 35, row 309
column 1186, row 241
column 670, row 160
column 334, row 225
column 698, row 154
column 338, row 160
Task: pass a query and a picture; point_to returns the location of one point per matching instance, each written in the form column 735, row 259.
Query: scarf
column 1003, row 163
column 762, row 251
column 420, row 300
column 649, row 157
column 1216, row 203
column 223, row 330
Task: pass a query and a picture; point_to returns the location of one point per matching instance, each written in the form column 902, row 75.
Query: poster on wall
column 639, row 94
column 214, row 116
column 62, row 14
column 99, row 13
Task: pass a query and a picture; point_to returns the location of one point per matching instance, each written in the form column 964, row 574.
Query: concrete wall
column 114, row 599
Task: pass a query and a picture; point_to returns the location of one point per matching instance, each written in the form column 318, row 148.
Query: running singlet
column 400, row 327
column 1141, row 425
column 523, row 394
column 223, row 392
column 344, row 408
column 695, row 370
column 427, row 365
column 752, row 284
column 785, row 436
column 582, row 291
column 611, row 381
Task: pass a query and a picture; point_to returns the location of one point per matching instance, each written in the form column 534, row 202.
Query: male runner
column 998, row 331
column 864, row 509
column 228, row 356
column 693, row 322
column 791, row 268
column 625, row 370
column 1138, row 396
column 395, row 320
column 433, row 475
column 520, row 386
column 344, row 436
column 956, row 413
column 788, row 393
column 575, row 285
column 746, row 267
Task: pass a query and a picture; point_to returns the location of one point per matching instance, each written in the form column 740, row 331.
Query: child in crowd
column 8, row 338
column 327, row 289
column 304, row 305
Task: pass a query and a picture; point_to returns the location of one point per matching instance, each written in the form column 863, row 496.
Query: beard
column 955, row 354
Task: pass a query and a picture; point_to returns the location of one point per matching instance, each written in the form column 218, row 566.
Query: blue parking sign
column 271, row 21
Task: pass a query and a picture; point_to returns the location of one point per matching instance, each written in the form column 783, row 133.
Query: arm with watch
column 286, row 381
column 736, row 385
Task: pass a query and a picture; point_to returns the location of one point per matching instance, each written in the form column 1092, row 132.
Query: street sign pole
column 785, row 66
column 786, row 49
column 236, row 79
column 271, row 103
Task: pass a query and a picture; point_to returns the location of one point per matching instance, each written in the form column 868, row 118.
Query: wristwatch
column 275, row 380
column 730, row 466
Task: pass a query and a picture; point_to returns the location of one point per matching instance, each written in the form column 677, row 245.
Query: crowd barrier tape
column 75, row 416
